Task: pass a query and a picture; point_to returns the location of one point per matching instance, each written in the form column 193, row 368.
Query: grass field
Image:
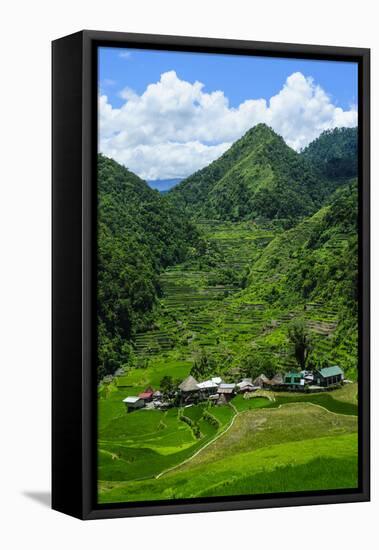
column 290, row 442
column 264, row 450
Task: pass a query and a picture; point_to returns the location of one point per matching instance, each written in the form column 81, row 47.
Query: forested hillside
column 259, row 177
column 246, row 270
column 303, row 200
column 316, row 264
column 139, row 234
column 334, row 153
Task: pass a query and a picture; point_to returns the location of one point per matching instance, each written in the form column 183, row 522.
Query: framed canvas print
column 210, row 274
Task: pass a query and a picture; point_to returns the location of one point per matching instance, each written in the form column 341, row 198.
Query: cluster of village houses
column 217, row 391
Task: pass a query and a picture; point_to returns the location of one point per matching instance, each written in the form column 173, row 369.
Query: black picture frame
column 74, row 136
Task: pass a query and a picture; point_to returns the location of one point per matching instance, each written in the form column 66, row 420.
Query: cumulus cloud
column 174, row 127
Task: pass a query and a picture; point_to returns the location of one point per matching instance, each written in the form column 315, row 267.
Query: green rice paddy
column 291, row 442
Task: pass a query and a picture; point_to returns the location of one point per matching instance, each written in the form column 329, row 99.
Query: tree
column 256, row 363
column 301, row 340
column 203, row 366
column 166, row 384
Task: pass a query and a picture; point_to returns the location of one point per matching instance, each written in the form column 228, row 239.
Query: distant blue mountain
column 163, row 185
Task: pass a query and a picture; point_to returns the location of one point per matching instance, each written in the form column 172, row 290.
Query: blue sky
column 172, row 119
column 239, row 77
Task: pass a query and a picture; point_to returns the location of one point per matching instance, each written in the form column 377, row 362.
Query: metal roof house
column 225, row 393
column 246, row 385
column 329, row 376
column 146, row 395
column 132, row 403
column 207, row 385
column 294, row 381
column 226, row 388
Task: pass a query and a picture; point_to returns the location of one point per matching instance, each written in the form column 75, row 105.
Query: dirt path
column 217, row 436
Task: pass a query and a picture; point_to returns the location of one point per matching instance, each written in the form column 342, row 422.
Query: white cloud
column 174, row 127
column 125, row 54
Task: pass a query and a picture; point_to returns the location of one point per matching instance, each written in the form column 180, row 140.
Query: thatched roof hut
column 189, row 384
column 261, row 381
column 277, row 380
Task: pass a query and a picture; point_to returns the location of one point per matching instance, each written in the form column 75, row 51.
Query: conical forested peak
column 257, row 137
column 260, row 176
column 261, row 131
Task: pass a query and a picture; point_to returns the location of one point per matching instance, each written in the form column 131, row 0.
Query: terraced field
column 255, row 445
column 291, row 448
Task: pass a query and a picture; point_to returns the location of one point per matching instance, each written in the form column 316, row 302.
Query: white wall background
column 27, row 29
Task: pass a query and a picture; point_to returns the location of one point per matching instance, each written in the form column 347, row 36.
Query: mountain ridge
column 260, row 176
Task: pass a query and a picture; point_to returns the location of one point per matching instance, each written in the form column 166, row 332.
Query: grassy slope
column 196, row 312
column 296, row 447
column 195, row 316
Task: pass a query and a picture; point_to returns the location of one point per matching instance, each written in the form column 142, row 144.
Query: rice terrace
column 228, row 324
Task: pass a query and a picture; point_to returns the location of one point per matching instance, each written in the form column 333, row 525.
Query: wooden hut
column 189, row 389
column 246, row 385
column 261, row 381
column 277, row 380
column 133, row 403
column 189, row 384
column 227, row 391
column 146, row 395
column 222, row 399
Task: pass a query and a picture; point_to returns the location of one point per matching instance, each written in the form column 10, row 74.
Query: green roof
column 331, row 371
column 294, row 376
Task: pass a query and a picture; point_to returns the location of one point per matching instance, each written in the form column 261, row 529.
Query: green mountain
column 139, row 234
column 335, row 153
column 260, row 176
column 314, row 267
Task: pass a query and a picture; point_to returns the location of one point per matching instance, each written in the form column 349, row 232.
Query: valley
column 209, row 290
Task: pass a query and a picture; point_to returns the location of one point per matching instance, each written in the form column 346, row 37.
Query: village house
column 329, row 376
column 261, row 381
column 308, row 376
column 246, row 385
column 147, row 395
column 277, row 380
column 215, row 390
column 207, row 388
column 133, row 403
column 157, row 395
column 225, row 393
column 294, row 381
column 189, row 389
